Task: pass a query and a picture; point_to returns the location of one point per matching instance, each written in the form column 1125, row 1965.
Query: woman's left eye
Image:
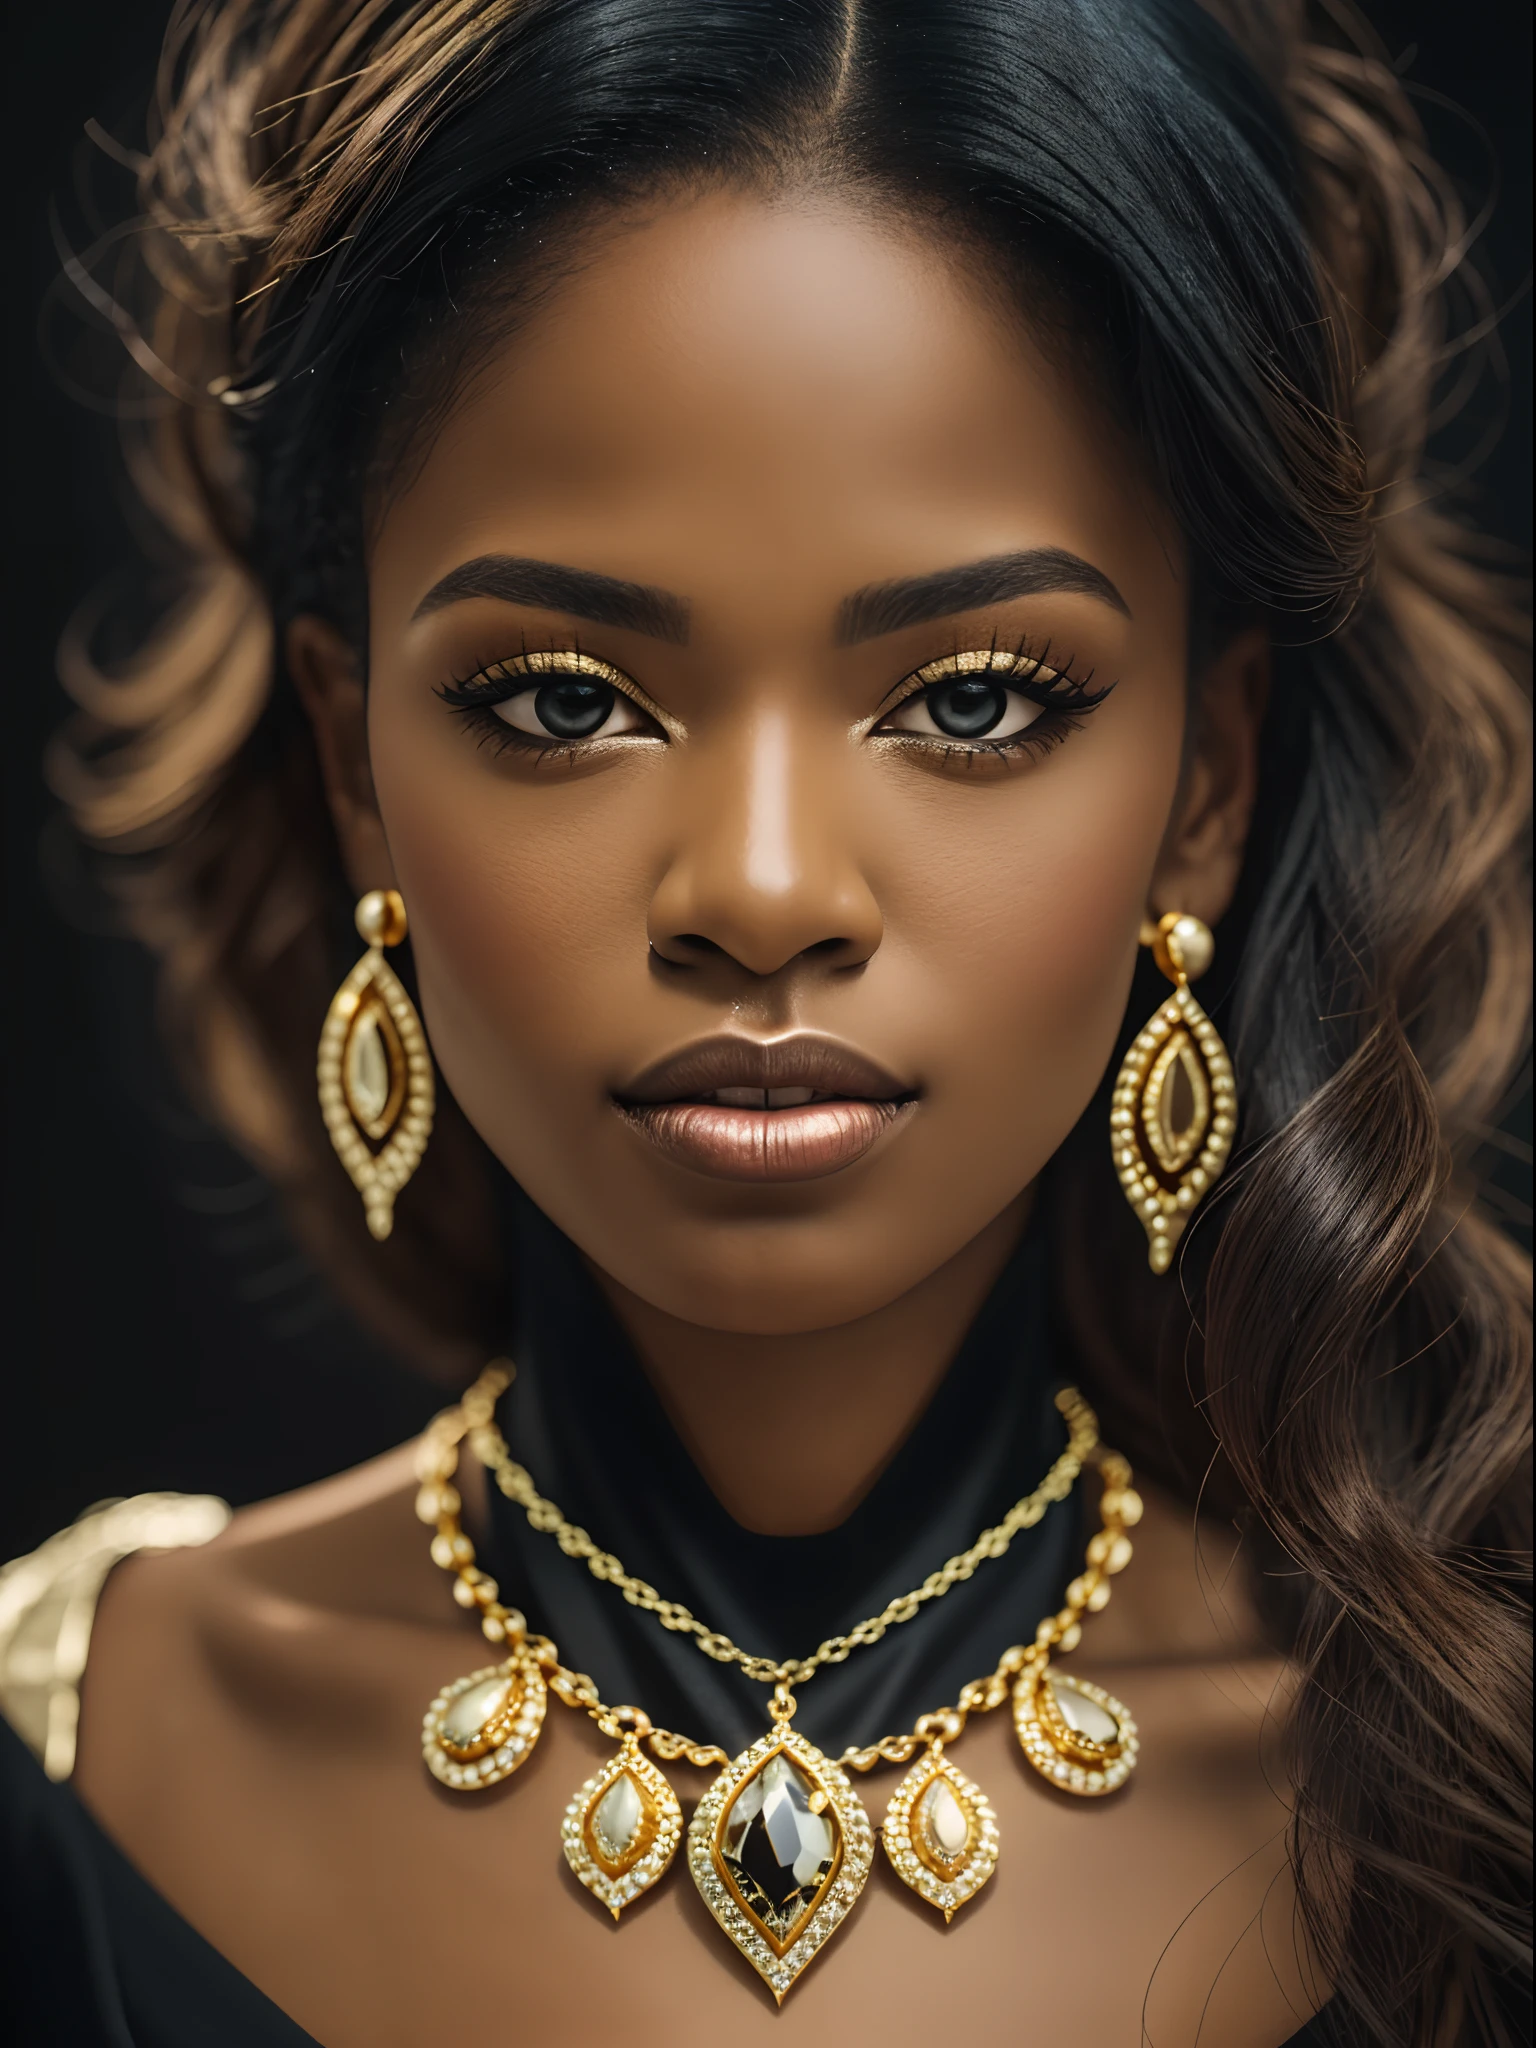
column 965, row 708
column 570, row 708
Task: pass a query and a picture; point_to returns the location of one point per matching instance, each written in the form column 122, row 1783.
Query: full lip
column 840, row 1103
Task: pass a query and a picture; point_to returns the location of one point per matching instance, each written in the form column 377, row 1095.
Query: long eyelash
column 499, row 680
column 1039, row 739
column 474, row 699
column 1065, row 702
column 1064, row 691
column 489, row 731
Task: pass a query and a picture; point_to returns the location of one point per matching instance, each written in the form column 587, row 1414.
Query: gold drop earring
column 374, row 1070
column 1174, row 1109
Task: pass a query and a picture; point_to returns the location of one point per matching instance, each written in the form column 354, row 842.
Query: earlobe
column 1202, row 852
column 326, row 675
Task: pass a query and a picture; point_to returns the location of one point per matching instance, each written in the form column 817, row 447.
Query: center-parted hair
column 346, row 207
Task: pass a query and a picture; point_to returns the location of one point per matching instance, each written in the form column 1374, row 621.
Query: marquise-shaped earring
column 374, row 1070
column 1174, row 1109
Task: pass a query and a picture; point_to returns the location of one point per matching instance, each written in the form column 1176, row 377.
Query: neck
column 868, row 1381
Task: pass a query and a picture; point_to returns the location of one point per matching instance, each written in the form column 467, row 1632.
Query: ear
column 1202, row 851
column 330, row 686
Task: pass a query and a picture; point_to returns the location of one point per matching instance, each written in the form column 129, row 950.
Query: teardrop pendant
column 941, row 1833
column 483, row 1727
column 1075, row 1734
column 780, row 1848
column 623, row 1826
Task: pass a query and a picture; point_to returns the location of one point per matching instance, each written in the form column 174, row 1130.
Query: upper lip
column 825, row 1065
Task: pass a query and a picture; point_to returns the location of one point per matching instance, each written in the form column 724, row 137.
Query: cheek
column 524, row 904
column 1027, row 932
column 1010, row 909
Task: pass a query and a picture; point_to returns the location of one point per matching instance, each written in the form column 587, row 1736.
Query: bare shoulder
column 302, row 1549
column 295, row 1618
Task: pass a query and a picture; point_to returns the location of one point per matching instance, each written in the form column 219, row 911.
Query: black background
column 159, row 1328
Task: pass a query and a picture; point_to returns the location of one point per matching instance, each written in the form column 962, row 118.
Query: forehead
column 726, row 384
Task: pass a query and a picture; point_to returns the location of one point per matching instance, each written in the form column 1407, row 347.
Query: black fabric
column 90, row 1953
column 581, row 1415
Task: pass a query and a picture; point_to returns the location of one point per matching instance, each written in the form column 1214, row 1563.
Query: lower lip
column 765, row 1144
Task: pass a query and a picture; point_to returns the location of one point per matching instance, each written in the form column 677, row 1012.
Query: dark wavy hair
column 345, row 206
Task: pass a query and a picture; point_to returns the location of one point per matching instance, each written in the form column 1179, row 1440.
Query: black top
column 582, row 1416
column 93, row 1954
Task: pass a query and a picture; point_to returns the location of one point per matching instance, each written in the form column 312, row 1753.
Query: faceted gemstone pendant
column 1074, row 1733
column 482, row 1728
column 780, row 1848
column 622, row 1827
column 941, row 1833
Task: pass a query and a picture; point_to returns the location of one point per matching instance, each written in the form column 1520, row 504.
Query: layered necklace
column 780, row 1845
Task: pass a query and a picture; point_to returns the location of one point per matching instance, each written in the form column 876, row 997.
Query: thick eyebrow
column 605, row 600
column 915, row 600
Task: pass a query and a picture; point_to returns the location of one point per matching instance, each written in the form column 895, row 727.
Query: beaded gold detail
column 1075, row 1734
column 780, row 1846
column 1174, row 1108
column 483, row 1727
column 374, row 1072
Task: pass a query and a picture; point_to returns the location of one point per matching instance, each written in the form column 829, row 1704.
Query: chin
column 773, row 1279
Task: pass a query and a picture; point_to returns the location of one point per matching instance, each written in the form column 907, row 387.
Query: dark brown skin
column 762, row 408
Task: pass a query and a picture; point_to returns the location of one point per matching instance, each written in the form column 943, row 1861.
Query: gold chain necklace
column 780, row 1845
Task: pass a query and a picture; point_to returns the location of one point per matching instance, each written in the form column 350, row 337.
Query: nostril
column 681, row 949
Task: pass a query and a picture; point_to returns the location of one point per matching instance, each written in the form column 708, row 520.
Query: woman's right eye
column 556, row 699
column 571, row 708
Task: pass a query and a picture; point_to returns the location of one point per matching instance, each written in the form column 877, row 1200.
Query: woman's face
column 776, row 709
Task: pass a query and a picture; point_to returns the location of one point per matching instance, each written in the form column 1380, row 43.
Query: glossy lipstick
column 783, row 1109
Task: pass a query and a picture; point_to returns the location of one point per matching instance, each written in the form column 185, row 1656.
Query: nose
column 763, row 870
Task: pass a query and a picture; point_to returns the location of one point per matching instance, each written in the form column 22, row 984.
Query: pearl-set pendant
column 483, row 1727
column 1075, row 1734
